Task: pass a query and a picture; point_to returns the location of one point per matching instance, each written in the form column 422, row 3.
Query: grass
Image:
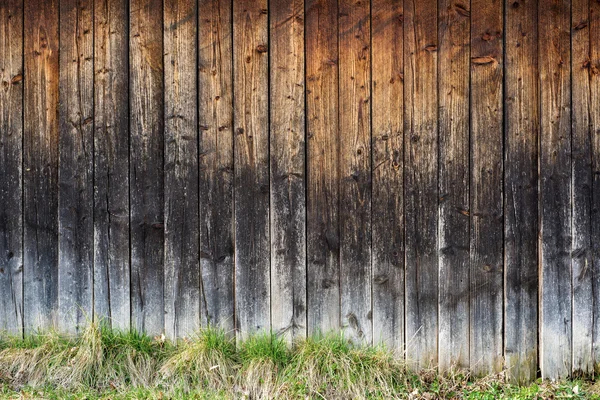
column 106, row 364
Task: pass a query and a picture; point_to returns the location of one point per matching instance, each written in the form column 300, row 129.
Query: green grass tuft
column 106, row 364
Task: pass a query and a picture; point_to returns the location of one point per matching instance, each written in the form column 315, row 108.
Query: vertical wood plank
column 421, row 182
column 75, row 171
column 182, row 272
column 594, row 77
column 11, row 147
column 288, row 208
column 323, row 236
column 486, row 353
column 146, row 165
column 388, row 173
column 215, row 113
column 355, row 169
column 40, row 166
column 581, row 251
column 520, row 190
column 251, row 146
column 111, row 164
column 555, row 187
column 454, row 212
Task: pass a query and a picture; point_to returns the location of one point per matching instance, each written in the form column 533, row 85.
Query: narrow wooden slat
column 11, row 147
column 594, row 76
column 388, row 173
column 486, row 353
column 454, row 212
column 555, row 188
column 355, row 169
column 581, row 250
column 251, row 145
column 182, row 273
column 75, row 171
column 420, row 182
column 146, row 164
column 215, row 114
column 40, row 166
column 520, row 190
column 111, row 164
column 323, row 236
column 288, row 208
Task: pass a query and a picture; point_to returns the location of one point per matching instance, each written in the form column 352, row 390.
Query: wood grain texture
column 486, row 352
column 387, row 21
column 555, row 188
column 215, row 115
column 182, row 272
column 287, row 156
column 322, row 186
column 11, row 178
column 40, row 165
column 355, row 169
column 454, row 211
column 251, row 149
column 581, row 247
column 421, row 182
column 146, row 151
column 594, row 77
column 521, row 190
column 111, row 164
column 76, row 166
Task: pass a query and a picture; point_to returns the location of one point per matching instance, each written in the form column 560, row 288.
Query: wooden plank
column 594, row 77
column 355, row 169
column 486, row 319
column 581, row 251
column 251, row 145
column 111, row 164
column 520, row 190
column 454, row 211
column 40, row 166
column 288, row 215
column 555, row 188
column 388, row 173
column 420, row 182
column 146, row 165
column 75, row 171
column 182, row 273
column 11, row 147
column 215, row 113
column 323, row 236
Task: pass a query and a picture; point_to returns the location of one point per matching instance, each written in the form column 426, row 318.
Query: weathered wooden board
column 287, row 156
column 355, row 169
column 486, row 351
column 454, row 211
column 322, row 186
column 11, row 178
column 146, row 115
column 215, row 114
column 594, row 77
column 555, row 188
column 521, row 190
column 182, row 271
column 251, row 151
column 581, row 251
column 76, row 165
column 111, row 164
column 40, row 165
column 421, row 182
column 388, row 173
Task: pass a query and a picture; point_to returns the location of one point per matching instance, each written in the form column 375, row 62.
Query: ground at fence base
column 105, row 364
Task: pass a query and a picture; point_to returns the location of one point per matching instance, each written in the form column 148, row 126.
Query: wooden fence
column 421, row 173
